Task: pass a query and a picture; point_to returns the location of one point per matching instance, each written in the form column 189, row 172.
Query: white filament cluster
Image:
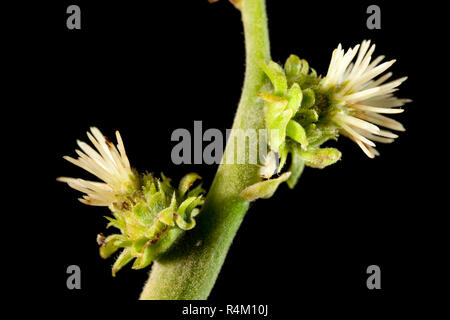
column 108, row 163
column 363, row 98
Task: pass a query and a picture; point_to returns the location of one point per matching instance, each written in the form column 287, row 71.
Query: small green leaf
column 115, row 223
column 320, row 158
column 138, row 245
column 184, row 205
column 296, row 169
column 195, row 212
column 142, row 210
column 165, row 188
column 197, row 202
column 292, row 66
column 149, row 189
column 264, row 189
column 166, row 216
column 274, row 109
column 275, row 105
column 153, row 249
column 295, row 131
column 108, row 245
column 187, row 181
column 148, row 185
column 165, row 179
column 305, row 67
column 276, row 75
column 321, row 134
column 294, row 96
column 123, row 259
column 157, row 203
column 185, row 225
column 282, row 154
column 182, row 222
column 277, row 129
column 145, row 258
column 309, row 98
column 306, row 117
column 173, row 201
column 198, row 190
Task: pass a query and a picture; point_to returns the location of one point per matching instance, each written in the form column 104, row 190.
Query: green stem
column 190, row 270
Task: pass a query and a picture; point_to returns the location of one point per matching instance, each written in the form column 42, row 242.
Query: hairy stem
column 190, row 270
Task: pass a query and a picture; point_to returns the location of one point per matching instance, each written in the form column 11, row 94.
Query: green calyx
column 151, row 217
column 299, row 117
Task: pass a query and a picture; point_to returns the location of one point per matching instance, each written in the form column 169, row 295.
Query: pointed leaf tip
column 264, row 189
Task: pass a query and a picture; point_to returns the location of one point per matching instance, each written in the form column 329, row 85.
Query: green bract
column 150, row 219
column 298, row 116
column 263, row 189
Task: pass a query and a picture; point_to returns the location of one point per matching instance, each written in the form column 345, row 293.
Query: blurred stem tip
column 236, row 3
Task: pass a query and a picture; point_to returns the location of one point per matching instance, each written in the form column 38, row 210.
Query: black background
column 148, row 69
